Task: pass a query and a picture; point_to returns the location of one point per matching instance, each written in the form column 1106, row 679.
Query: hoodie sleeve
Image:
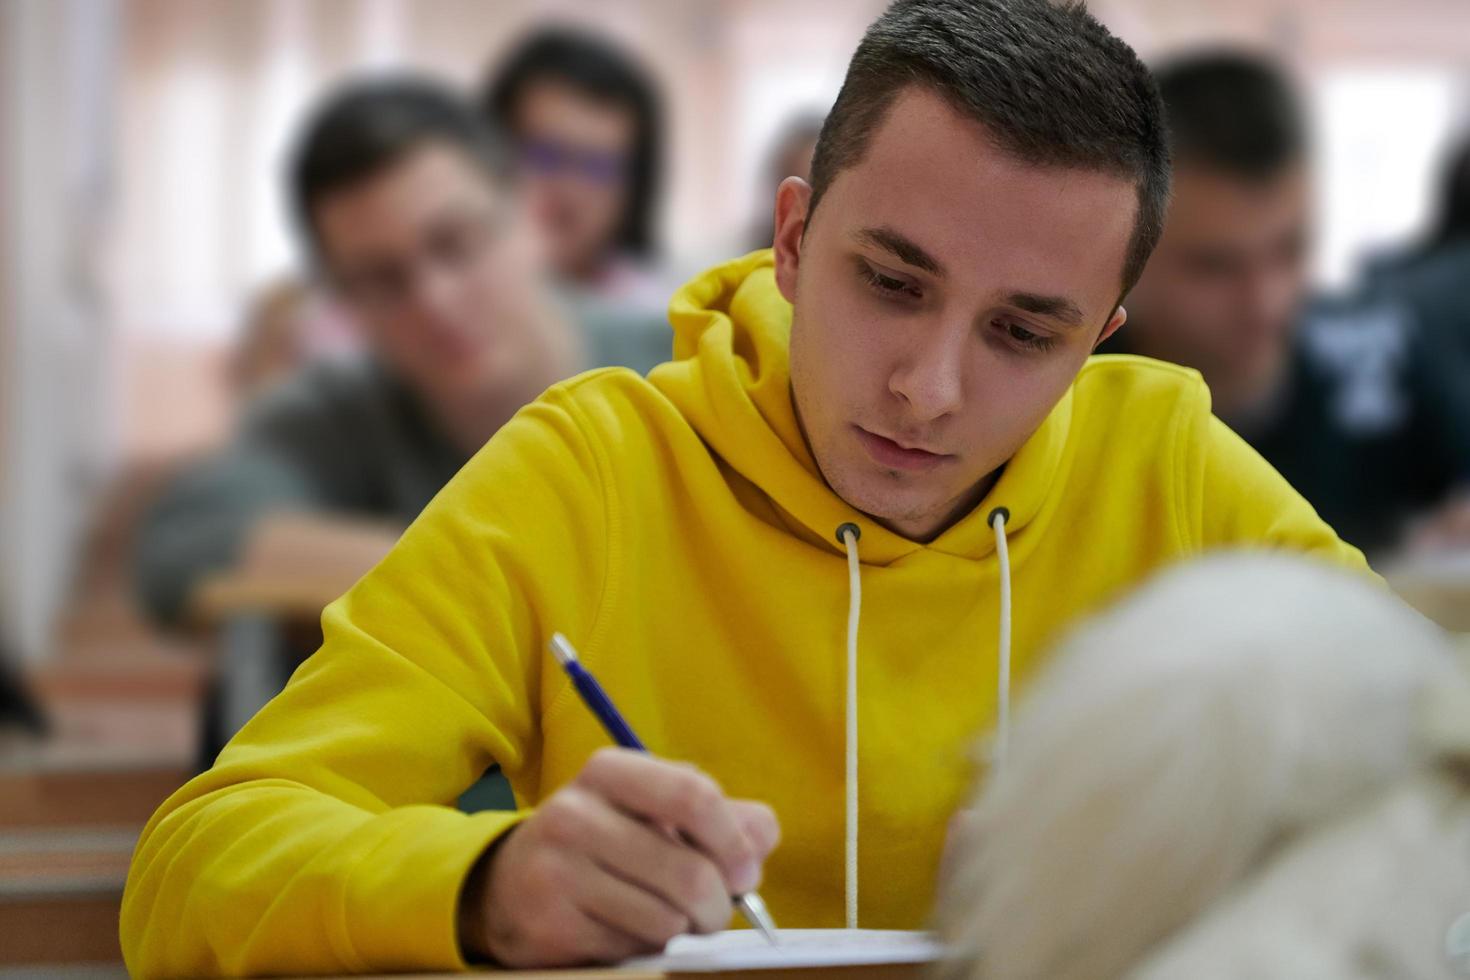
column 324, row 839
column 1242, row 502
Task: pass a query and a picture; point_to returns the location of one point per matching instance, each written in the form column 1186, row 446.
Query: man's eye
column 885, row 285
column 1028, row 339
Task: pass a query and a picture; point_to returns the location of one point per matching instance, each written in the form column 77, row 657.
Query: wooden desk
column 258, row 620
column 231, row 594
column 1438, row 586
column 60, row 896
column 882, row 971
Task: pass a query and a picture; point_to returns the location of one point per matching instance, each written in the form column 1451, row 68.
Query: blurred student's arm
column 250, row 511
column 325, row 839
column 274, row 500
column 1240, row 501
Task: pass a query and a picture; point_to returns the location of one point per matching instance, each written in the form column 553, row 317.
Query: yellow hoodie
column 678, row 531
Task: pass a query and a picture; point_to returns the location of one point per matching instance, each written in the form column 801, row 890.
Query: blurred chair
column 75, row 790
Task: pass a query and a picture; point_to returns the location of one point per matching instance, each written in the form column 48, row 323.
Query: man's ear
column 1120, row 317
column 792, row 199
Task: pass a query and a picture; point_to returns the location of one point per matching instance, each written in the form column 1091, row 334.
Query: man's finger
column 640, row 853
column 629, row 908
column 759, row 823
column 592, row 941
column 682, row 799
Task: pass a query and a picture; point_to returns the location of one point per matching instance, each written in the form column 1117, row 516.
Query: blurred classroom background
column 151, row 284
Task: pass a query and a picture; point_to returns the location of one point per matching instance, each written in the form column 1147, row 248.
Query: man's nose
column 930, row 377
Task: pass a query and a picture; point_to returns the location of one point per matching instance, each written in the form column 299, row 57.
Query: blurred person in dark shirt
column 1345, row 397
column 1432, row 278
column 401, row 196
column 587, row 124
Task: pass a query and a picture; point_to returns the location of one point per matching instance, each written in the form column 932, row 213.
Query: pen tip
column 562, row 650
column 757, row 914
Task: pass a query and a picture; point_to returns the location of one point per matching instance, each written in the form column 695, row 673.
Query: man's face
column 945, row 295
column 576, row 156
column 427, row 257
column 1223, row 287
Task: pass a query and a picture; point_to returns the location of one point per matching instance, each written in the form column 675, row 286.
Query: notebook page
column 746, row 949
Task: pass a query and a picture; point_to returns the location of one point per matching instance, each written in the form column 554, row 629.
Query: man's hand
column 634, row 851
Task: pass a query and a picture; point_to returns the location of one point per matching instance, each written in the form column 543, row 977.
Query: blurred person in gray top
column 586, row 121
column 402, row 199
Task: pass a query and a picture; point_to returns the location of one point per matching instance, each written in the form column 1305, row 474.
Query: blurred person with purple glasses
column 1345, row 396
column 587, row 125
column 402, row 199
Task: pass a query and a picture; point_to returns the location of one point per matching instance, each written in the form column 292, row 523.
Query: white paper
column 747, row 949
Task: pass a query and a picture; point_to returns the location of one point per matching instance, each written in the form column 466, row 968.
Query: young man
column 401, row 198
column 1348, row 399
column 849, row 430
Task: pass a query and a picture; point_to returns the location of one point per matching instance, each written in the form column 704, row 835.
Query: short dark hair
column 1045, row 78
column 1233, row 112
column 365, row 127
column 603, row 73
column 1453, row 223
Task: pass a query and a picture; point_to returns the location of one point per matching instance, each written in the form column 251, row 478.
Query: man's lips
column 890, row 454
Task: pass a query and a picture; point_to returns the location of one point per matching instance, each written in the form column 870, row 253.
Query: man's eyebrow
column 904, row 249
column 1057, row 307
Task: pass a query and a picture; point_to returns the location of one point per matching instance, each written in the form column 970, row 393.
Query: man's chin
column 879, row 503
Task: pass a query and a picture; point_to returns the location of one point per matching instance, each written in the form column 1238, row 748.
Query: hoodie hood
column 731, row 379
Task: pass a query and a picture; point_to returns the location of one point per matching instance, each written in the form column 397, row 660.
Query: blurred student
column 790, row 156
column 788, row 554
column 587, row 125
column 1430, row 278
column 1344, row 398
column 401, row 199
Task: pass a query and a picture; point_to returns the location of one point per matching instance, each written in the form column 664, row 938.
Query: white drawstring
column 848, row 534
column 998, row 518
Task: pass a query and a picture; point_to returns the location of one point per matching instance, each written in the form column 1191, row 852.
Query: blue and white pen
column 750, row 904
